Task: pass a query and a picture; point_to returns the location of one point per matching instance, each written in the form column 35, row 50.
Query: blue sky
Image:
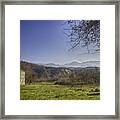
column 43, row 41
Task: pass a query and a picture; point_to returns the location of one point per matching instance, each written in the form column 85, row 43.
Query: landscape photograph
column 59, row 59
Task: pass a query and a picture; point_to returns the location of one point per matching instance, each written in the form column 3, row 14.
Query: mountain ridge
column 75, row 64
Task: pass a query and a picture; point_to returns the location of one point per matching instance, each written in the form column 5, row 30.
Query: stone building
column 22, row 77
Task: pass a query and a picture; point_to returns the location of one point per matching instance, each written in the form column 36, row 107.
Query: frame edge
column 2, row 64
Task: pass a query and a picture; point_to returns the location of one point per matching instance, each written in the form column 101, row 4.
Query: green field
column 49, row 91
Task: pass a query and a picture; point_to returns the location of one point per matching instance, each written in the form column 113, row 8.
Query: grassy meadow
column 50, row 91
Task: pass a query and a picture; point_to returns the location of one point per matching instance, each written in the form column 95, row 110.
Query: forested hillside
column 60, row 75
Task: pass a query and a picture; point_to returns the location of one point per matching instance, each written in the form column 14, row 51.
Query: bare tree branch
column 85, row 33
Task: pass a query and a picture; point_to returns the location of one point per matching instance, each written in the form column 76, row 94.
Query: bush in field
column 63, row 82
column 94, row 93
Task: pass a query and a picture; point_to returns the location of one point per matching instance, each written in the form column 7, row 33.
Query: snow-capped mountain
column 75, row 64
column 84, row 64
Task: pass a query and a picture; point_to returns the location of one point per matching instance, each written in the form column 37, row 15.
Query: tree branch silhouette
column 83, row 33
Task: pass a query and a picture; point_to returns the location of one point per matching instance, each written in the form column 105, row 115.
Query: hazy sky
column 43, row 41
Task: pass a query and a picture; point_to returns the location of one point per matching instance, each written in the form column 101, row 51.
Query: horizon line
column 57, row 63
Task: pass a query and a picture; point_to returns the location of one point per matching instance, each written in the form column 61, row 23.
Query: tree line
column 64, row 76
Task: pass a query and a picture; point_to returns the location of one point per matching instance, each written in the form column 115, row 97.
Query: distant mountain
column 52, row 65
column 75, row 64
column 84, row 64
column 91, row 64
column 72, row 64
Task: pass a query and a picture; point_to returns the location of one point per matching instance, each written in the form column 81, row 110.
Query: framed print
column 60, row 60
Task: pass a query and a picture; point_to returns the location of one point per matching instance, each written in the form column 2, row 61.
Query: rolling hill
column 62, row 75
